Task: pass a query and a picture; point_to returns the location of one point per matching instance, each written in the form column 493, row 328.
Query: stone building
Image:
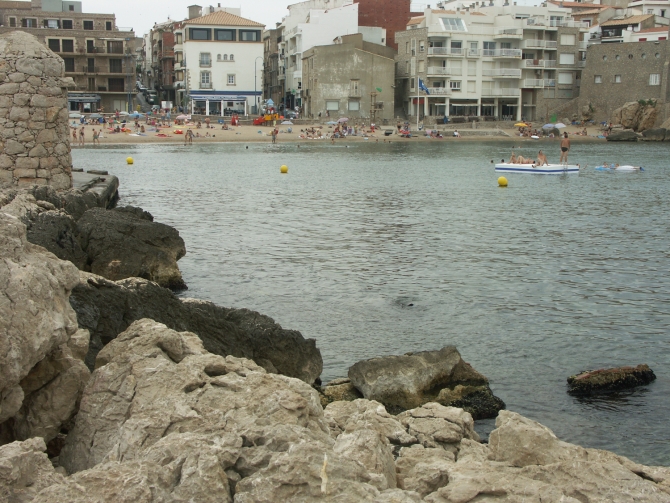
column 273, row 85
column 162, row 74
column 351, row 79
column 98, row 55
column 624, row 72
column 34, row 132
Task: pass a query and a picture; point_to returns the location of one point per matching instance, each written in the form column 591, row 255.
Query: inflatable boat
column 550, row 169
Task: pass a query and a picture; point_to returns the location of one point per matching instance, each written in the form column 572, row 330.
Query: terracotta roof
column 442, row 11
column 415, row 20
column 476, row 13
column 590, row 12
column 578, row 5
column 627, row 21
column 15, row 5
column 222, row 18
column 659, row 29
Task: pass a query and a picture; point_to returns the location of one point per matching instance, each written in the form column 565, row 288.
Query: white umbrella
column 560, row 125
column 124, row 113
column 183, row 117
column 75, row 115
column 288, row 123
column 343, row 119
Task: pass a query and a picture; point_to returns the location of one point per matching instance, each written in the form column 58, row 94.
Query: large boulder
column 122, row 244
column 647, row 120
column 657, row 134
column 626, row 135
column 630, row 114
column 607, row 380
column 107, row 308
column 35, row 315
column 411, row 380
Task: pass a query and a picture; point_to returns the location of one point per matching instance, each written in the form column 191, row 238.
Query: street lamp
column 256, row 97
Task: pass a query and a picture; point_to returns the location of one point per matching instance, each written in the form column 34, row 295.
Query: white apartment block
column 315, row 23
column 219, row 63
column 490, row 60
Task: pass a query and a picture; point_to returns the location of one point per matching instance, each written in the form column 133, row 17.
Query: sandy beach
column 261, row 134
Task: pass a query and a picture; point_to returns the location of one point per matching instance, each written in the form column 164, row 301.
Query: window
column 406, row 47
column 71, row 8
column 354, row 88
column 654, row 79
column 413, row 65
column 108, row 25
column 332, row 106
column 421, row 66
column 411, row 84
column 662, row 12
column 88, row 25
column 489, row 49
column 67, row 24
column 453, row 23
column 472, row 86
column 29, row 23
column 232, row 57
column 115, row 46
column 68, row 45
column 205, row 78
column 205, row 59
column 250, row 35
column 177, row 38
column 218, row 57
column 54, row 44
column 51, row 23
column 567, row 39
column 224, row 35
column 200, row 34
column 567, row 59
column 455, row 85
column 12, row 22
column 617, row 79
column 116, row 85
column 565, row 77
column 413, row 47
column 422, row 46
column 69, row 64
column 598, row 79
column 354, row 105
column 231, row 80
column 115, row 66
column 472, row 68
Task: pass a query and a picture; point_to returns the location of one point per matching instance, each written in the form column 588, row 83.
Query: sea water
column 384, row 248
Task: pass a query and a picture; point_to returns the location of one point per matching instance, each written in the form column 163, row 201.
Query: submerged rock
column 411, row 380
column 626, row 135
column 607, row 380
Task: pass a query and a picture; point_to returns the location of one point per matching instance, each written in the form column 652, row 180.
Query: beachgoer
column 81, row 136
column 457, row 134
column 74, row 134
column 512, row 159
column 274, row 136
column 565, row 148
column 542, row 159
column 96, row 135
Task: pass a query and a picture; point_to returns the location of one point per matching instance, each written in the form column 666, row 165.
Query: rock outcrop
column 638, row 116
column 626, row 135
column 163, row 420
column 35, row 316
column 593, row 382
column 657, row 134
column 107, row 308
column 408, row 381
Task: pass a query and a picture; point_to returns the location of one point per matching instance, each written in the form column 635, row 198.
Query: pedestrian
column 96, row 135
column 117, row 114
column 74, row 134
column 274, row 135
column 565, row 148
column 81, row 136
column 188, row 137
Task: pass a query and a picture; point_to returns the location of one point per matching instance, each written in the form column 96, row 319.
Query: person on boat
column 513, row 159
column 565, row 148
column 542, row 159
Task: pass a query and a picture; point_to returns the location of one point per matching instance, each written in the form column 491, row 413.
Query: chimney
column 194, row 11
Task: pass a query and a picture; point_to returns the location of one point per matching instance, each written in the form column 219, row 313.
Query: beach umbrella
column 183, row 117
column 343, row 119
column 520, row 124
column 136, row 115
column 270, row 102
column 549, row 126
column 560, row 125
column 287, row 123
column 124, row 113
column 332, row 123
column 75, row 115
column 95, row 116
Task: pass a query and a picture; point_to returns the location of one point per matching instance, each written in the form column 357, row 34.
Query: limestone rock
column 35, row 315
column 630, row 114
column 107, row 308
column 437, row 426
column 647, row 120
column 371, row 449
column 57, row 232
column 344, row 390
column 657, row 134
column 607, row 380
column 25, row 470
column 408, row 381
column 626, row 135
column 665, row 124
column 120, row 245
column 423, row 470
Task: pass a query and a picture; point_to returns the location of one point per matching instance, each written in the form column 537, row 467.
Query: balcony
column 205, row 85
column 532, row 83
column 205, row 63
column 281, row 76
column 439, row 91
column 501, row 53
column 512, row 73
column 538, row 23
column 91, row 69
column 442, row 70
column 502, row 92
column 583, row 45
column 550, row 45
column 567, row 23
column 354, row 93
column 549, row 82
column 507, row 33
column 550, row 63
column 177, row 66
column 93, row 50
column 473, row 53
column 581, row 63
column 532, row 43
column 532, row 63
column 446, row 51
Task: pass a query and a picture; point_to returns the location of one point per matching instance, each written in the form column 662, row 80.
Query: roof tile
column 222, row 18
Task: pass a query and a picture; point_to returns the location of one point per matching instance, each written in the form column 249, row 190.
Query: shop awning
column 83, row 98
column 216, row 97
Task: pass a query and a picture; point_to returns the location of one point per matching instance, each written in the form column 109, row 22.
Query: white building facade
column 219, row 64
column 497, row 62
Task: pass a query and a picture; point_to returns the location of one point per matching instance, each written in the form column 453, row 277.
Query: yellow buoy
column 502, row 182
column 129, row 160
column 284, row 168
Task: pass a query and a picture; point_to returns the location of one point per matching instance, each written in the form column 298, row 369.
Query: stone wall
column 624, row 73
column 34, row 133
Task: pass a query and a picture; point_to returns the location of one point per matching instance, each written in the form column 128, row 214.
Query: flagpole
column 417, row 103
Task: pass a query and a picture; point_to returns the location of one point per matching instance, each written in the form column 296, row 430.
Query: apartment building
column 218, row 62
column 98, row 55
column 490, row 60
column 351, row 78
column 273, row 86
column 162, row 75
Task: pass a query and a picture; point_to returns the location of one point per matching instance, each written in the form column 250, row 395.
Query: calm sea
column 533, row 283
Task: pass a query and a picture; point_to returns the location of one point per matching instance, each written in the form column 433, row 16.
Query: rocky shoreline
column 114, row 389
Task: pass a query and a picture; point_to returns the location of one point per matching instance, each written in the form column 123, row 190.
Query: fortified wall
column 34, row 132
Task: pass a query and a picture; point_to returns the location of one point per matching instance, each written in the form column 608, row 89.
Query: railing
column 502, row 72
column 508, row 33
column 583, row 44
column 441, row 70
column 536, row 21
column 439, row 91
column 206, row 64
column 533, row 44
column 533, row 83
column 446, row 51
column 473, row 52
column 511, row 92
column 203, row 85
column 549, row 82
column 567, row 23
column 354, row 93
column 95, row 50
column 533, row 63
column 551, row 44
column 550, row 63
column 91, row 69
column 502, row 53
column 581, row 64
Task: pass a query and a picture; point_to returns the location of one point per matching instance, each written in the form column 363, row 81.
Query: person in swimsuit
column 542, row 159
column 565, row 148
column 81, row 136
column 96, row 135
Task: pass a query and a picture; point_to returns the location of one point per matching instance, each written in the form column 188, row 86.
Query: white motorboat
column 549, row 169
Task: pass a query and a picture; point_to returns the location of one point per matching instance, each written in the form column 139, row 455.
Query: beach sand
column 261, row 134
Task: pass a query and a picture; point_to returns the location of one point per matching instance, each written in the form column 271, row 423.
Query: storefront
column 218, row 104
column 83, row 103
